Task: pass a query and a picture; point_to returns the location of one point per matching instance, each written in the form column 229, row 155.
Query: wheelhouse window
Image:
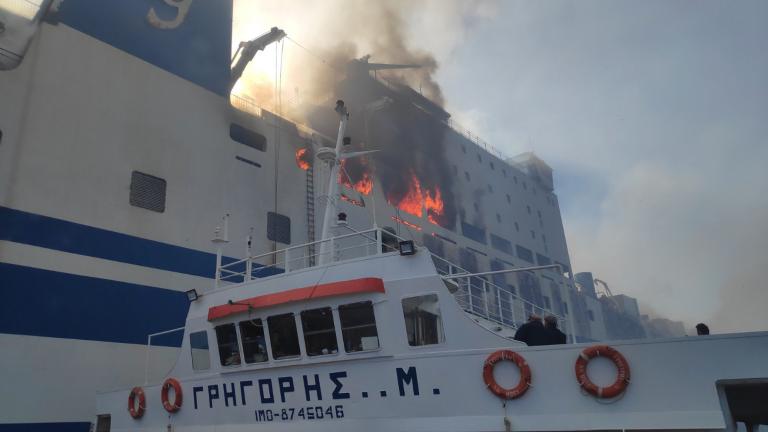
column 358, row 327
column 283, row 336
column 422, row 320
column 254, row 344
column 229, row 351
column 319, row 332
column 198, row 345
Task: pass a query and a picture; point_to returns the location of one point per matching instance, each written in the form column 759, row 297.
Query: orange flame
column 411, row 203
column 353, row 201
column 434, row 205
column 302, row 158
column 364, row 185
column 406, row 223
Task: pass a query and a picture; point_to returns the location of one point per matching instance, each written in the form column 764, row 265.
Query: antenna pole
column 333, row 186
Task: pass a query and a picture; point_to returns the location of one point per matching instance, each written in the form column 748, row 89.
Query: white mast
column 332, row 158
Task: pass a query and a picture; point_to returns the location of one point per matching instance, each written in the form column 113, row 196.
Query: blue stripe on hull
column 46, row 427
column 44, row 231
column 37, row 230
column 52, row 304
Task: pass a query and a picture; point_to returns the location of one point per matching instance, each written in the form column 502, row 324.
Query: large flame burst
column 303, row 158
column 418, row 199
column 364, row 183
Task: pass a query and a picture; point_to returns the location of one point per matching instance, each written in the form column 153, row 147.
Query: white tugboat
column 365, row 331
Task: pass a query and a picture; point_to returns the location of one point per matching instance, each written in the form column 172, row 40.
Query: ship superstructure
column 121, row 149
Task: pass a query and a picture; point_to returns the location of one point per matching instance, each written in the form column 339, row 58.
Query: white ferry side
column 420, row 364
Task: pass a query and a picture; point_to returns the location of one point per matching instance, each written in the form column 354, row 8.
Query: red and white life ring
column 622, row 379
column 178, row 397
column 494, row 387
column 137, row 411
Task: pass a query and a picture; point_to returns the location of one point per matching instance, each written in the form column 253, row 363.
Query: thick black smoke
column 409, row 139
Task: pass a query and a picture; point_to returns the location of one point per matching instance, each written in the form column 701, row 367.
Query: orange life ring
column 178, row 395
column 137, row 411
column 494, row 387
column 622, row 379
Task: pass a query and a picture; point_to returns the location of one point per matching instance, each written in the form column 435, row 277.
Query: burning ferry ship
column 121, row 148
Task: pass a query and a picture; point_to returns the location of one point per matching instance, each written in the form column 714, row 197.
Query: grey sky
column 655, row 118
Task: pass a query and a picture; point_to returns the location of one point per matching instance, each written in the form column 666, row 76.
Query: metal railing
column 475, row 294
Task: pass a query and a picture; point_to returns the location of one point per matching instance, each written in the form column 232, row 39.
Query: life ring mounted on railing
column 494, row 387
column 137, row 410
column 622, row 379
column 178, row 396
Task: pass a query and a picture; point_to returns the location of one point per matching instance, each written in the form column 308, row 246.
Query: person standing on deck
column 554, row 335
column 533, row 332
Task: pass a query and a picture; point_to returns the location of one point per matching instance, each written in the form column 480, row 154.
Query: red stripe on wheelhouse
column 354, row 286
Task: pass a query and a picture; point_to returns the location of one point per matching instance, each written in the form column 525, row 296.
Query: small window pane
column 248, row 137
column 358, row 327
column 422, row 320
column 319, row 332
column 283, row 336
column 198, row 344
column 229, row 351
column 254, row 344
column 278, row 228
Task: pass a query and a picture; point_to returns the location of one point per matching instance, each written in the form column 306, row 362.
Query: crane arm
column 247, row 50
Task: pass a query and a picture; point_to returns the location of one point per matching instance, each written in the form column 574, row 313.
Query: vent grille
column 147, row 192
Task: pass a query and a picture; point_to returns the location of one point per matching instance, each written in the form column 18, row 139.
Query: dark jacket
column 555, row 336
column 532, row 333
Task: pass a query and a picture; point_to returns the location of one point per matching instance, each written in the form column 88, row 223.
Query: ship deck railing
column 477, row 295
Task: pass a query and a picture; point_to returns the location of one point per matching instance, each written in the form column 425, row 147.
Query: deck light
column 407, row 247
column 191, row 295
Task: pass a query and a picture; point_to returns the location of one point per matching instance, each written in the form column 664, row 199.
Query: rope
column 317, row 57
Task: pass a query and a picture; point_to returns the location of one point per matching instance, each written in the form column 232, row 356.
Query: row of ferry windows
column 358, row 331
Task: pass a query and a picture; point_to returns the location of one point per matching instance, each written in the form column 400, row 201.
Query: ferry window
column 147, row 192
column 517, row 227
column 18, row 23
column 498, row 218
column 492, row 167
column 283, row 336
column 278, row 228
column 198, row 345
column 591, row 315
column 358, row 327
column 229, row 351
column 422, row 320
column 466, row 176
column 319, row 332
column 248, row 137
column 479, row 158
column 254, row 344
column 509, row 199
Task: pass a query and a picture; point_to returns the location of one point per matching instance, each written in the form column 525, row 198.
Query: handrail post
column 498, row 301
column 485, row 299
column 287, row 258
column 379, row 234
column 512, row 307
column 469, row 294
